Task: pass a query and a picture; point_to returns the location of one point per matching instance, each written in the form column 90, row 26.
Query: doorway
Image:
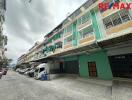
column 121, row 65
column 92, row 69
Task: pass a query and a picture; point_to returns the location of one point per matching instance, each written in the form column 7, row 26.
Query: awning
column 85, row 49
column 44, row 60
column 114, row 41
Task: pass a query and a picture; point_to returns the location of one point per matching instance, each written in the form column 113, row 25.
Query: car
column 24, row 70
column 1, row 73
column 5, row 71
column 31, row 73
column 18, row 69
column 27, row 71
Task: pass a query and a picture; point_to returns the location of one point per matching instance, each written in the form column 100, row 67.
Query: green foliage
column 5, row 62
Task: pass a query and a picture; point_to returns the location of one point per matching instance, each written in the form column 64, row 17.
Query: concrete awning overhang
column 79, row 50
column 111, row 42
column 44, row 60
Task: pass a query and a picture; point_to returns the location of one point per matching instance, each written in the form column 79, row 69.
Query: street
column 14, row 86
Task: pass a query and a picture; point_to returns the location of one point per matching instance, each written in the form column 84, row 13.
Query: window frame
column 83, row 34
column 112, row 18
column 84, row 18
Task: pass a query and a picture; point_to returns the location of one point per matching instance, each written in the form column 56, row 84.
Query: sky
column 27, row 22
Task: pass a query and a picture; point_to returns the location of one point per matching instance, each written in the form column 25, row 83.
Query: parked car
column 40, row 70
column 24, row 70
column 31, row 73
column 5, row 71
column 27, row 71
column 1, row 73
column 18, row 69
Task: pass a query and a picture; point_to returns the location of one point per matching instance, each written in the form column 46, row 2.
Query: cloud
column 28, row 22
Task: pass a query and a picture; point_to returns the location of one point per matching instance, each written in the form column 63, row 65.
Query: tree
column 5, row 62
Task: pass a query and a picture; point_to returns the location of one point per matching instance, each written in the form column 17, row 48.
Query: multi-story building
column 3, row 38
column 21, row 59
column 35, row 53
column 92, row 42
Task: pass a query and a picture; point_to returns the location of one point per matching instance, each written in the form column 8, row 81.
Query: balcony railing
column 68, row 45
column 117, row 22
column 58, row 40
column 87, row 39
column 81, row 26
column 120, row 27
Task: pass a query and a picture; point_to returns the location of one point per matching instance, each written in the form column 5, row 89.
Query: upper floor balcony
column 84, row 21
column 118, row 23
column 68, row 42
column 58, row 40
column 58, row 47
column 86, row 36
column 68, row 30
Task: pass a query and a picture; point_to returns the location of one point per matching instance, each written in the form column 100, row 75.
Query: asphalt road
column 14, row 86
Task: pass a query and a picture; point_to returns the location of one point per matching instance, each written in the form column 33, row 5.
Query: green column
column 74, row 25
column 95, row 25
column 102, row 65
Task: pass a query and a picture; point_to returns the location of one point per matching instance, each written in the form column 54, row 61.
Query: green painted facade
column 75, row 33
column 95, row 25
column 70, row 58
column 102, row 65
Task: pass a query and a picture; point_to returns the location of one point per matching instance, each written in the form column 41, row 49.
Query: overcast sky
column 27, row 23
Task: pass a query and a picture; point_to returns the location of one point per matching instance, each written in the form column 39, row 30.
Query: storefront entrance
column 121, row 65
column 71, row 67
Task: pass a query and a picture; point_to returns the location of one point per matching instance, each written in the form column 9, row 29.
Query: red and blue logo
column 119, row 5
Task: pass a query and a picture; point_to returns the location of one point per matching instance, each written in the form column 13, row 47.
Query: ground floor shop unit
column 121, row 65
column 120, row 58
column 92, row 65
column 71, row 65
column 119, row 51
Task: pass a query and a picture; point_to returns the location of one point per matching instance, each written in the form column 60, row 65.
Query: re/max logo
column 105, row 6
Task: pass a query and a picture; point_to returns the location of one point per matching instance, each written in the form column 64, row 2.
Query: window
column 68, row 28
column 92, row 69
column 88, row 4
column 68, row 39
column 117, row 18
column 125, row 15
column 42, row 69
column 57, row 36
column 58, row 45
column 86, row 32
column 83, row 19
column 108, row 22
column 77, row 12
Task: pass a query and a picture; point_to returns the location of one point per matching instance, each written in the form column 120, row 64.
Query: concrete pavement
column 18, row 87
column 14, row 86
